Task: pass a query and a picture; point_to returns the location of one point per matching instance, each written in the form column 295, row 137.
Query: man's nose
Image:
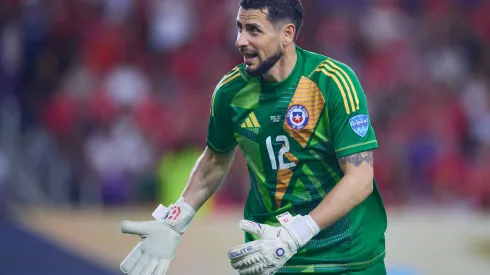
column 241, row 40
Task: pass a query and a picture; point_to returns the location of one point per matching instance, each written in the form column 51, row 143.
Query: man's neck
column 283, row 68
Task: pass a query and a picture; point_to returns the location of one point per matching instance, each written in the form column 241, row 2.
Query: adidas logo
column 251, row 122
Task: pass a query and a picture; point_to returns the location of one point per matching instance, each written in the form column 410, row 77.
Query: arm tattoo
column 357, row 159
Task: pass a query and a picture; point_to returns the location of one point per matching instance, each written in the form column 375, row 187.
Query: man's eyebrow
column 249, row 25
column 255, row 25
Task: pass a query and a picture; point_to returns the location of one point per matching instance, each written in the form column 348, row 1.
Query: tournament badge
column 297, row 117
column 360, row 124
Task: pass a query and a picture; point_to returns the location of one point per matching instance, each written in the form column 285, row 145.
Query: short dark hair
column 290, row 11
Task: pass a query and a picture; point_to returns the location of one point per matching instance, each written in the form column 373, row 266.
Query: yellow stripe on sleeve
column 326, row 66
column 226, row 79
column 212, row 102
column 356, row 145
column 232, row 72
column 349, row 80
column 227, row 76
column 346, row 105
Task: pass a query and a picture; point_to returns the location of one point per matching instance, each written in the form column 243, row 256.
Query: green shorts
column 377, row 269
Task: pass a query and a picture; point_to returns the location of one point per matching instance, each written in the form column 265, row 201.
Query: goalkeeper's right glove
column 159, row 239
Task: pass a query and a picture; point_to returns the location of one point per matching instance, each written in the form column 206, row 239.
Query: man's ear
column 289, row 31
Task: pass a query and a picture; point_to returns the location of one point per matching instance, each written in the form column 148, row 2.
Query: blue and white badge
column 297, row 117
column 360, row 124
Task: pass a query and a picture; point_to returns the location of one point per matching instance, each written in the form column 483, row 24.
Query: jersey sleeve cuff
column 219, row 151
column 356, row 148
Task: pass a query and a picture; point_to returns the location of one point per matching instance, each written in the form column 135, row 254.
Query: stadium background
column 104, row 106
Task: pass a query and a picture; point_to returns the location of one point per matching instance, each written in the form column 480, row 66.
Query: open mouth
column 249, row 56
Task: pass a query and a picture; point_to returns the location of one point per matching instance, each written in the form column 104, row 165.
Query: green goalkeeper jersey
column 292, row 134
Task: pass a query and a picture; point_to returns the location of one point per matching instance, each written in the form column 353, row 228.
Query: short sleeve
column 220, row 136
column 350, row 123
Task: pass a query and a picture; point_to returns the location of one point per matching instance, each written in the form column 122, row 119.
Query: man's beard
column 266, row 65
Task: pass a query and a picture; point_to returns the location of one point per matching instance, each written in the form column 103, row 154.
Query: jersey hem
column 332, row 268
column 356, row 148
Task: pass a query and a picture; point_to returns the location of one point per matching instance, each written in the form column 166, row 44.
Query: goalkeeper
column 302, row 122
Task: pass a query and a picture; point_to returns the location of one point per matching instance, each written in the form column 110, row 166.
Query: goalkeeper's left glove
column 276, row 245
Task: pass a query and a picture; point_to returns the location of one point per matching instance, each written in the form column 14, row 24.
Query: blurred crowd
column 121, row 84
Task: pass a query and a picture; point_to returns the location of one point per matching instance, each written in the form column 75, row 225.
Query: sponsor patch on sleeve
column 360, row 124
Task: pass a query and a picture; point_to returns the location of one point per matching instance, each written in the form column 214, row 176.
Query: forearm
column 346, row 195
column 206, row 176
column 350, row 191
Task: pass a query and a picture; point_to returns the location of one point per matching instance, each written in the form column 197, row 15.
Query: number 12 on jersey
column 280, row 156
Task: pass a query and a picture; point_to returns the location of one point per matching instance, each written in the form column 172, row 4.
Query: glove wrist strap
column 301, row 228
column 177, row 215
column 313, row 226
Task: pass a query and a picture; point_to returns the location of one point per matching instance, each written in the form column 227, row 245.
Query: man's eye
column 253, row 29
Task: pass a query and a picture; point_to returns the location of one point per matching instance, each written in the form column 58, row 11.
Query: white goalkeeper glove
column 159, row 239
column 276, row 245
